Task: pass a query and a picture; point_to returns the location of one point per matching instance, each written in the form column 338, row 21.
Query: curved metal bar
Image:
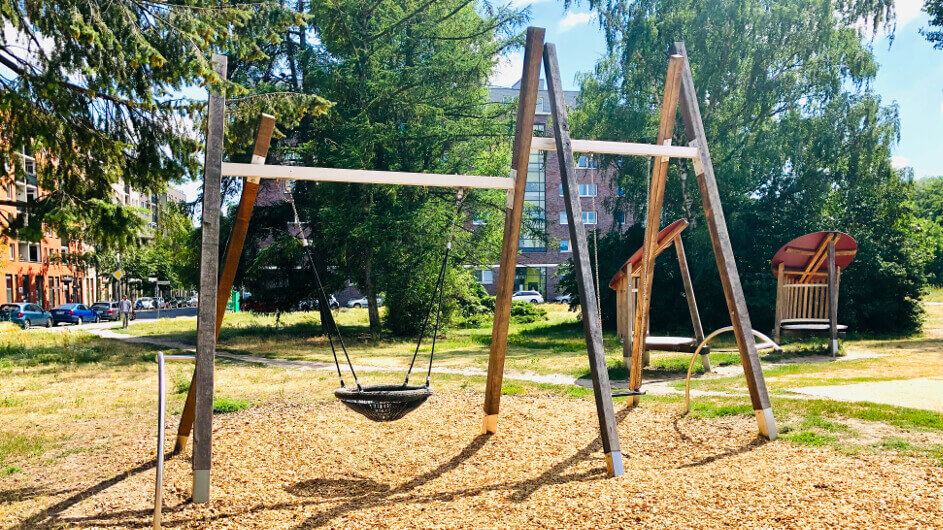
column 707, row 339
column 161, row 411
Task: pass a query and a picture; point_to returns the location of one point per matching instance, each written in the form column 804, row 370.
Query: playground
column 289, row 455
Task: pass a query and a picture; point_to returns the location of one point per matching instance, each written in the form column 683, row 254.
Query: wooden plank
column 364, row 176
column 592, row 325
column 832, row 300
column 209, row 270
column 618, row 148
column 807, row 252
column 237, row 238
column 631, row 302
column 692, row 301
column 723, row 253
column 520, row 156
column 780, row 300
column 669, row 110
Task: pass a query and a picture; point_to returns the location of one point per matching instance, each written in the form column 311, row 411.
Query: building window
column 484, row 276
column 564, row 245
column 587, row 162
column 10, row 298
column 531, row 279
column 478, row 220
column 533, row 238
column 540, row 129
column 563, row 220
column 587, row 190
column 589, row 218
column 12, row 252
column 620, row 217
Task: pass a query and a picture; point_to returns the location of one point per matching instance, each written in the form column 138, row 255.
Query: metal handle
column 161, row 408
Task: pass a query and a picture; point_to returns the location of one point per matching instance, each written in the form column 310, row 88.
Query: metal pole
column 158, row 486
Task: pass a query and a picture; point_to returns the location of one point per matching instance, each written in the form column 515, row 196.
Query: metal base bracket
column 201, row 486
column 614, row 467
column 767, row 423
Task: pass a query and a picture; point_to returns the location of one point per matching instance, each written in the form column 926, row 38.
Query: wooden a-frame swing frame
column 198, row 408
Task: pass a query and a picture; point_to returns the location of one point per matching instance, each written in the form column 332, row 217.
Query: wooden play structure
column 808, row 270
column 679, row 86
column 625, row 284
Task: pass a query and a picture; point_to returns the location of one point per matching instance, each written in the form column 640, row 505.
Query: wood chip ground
column 319, row 465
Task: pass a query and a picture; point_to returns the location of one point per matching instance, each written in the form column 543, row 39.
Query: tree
column 798, row 142
column 406, row 79
column 96, row 90
column 934, row 8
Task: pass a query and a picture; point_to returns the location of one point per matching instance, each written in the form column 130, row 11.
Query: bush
column 525, row 313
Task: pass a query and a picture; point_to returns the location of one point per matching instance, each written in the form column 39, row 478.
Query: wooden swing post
column 237, row 239
column 523, row 134
column 592, row 325
column 723, row 251
column 206, row 318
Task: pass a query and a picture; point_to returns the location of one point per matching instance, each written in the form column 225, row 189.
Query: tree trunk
column 373, row 309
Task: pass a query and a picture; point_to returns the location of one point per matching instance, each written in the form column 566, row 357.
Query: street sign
column 152, row 279
column 118, row 274
column 163, row 283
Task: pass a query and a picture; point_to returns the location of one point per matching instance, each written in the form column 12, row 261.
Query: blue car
column 74, row 313
column 25, row 315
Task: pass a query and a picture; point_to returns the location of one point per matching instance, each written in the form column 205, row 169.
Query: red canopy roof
column 798, row 253
column 667, row 232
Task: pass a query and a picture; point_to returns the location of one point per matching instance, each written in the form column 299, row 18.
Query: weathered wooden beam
column 820, row 254
column 807, row 252
column 692, row 302
column 237, row 239
column 604, row 147
column 832, row 300
column 656, row 195
column 780, row 301
column 592, row 325
column 723, row 252
column 520, row 156
column 209, row 270
column 364, row 176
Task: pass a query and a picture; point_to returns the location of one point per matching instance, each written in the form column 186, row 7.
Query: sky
column 910, row 74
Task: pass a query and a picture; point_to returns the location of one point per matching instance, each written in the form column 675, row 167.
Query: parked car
column 562, row 299
column 532, row 297
column 193, row 301
column 109, row 311
column 362, row 302
column 310, row 304
column 25, row 315
column 145, row 302
column 74, row 313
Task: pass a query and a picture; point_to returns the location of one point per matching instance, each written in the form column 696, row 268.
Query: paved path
column 923, row 393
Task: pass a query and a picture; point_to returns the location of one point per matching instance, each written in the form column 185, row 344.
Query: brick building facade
column 539, row 260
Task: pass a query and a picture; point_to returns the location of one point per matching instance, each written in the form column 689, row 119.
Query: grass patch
column 512, row 388
column 11, row 401
column 706, row 408
column 225, row 405
column 8, row 469
column 810, row 438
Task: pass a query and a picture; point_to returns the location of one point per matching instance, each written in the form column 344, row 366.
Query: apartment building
column 540, row 256
column 48, row 273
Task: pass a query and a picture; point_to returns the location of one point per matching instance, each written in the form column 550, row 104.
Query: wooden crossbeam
column 820, row 254
column 807, row 252
column 364, row 176
column 618, row 148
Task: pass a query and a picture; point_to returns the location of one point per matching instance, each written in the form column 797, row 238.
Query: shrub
column 525, row 313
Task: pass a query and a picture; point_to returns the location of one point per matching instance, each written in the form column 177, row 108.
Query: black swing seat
column 383, row 402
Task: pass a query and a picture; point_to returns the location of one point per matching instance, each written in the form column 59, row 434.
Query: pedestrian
column 124, row 308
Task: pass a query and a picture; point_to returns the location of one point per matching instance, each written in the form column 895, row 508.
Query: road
column 148, row 315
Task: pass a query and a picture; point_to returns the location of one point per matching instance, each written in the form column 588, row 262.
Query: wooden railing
column 804, row 301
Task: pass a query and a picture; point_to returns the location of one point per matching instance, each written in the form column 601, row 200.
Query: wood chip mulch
column 319, row 465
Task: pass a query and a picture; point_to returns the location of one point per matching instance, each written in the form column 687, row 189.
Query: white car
column 562, row 299
column 145, row 302
column 362, row 302
column 532, row 297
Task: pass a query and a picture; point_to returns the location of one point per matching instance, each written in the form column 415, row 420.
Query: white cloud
column 517, row 4
column 508, row 70
column 906, row 11
column 899, row 162
column 574, row 19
